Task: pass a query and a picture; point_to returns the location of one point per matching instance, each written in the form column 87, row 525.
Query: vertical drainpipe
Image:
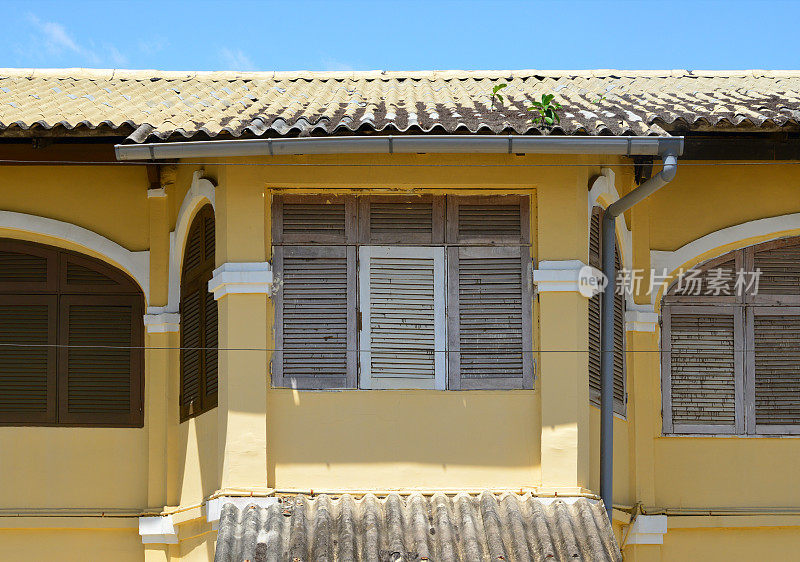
column 670, row 158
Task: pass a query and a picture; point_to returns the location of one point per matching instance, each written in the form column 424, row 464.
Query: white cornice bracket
column 159, row 321
column 241, row 278
column 567, row 276
column 647, row 529
column 158, row 530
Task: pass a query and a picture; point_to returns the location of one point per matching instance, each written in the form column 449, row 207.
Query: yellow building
column 352, row 316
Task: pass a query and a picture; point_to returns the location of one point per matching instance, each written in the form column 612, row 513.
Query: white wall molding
column 722, row 241
column 640, row 318
column 156, row 192
column 241, row 278
column 214, row 506
column 202, row 191
column 567, row 276
column 159, row 321
column 158, row 530
column 136, row 264
column 602, row 193
column 647, row 529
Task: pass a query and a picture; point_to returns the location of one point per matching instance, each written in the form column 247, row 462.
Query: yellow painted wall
column 406, row 439
column 71, row 545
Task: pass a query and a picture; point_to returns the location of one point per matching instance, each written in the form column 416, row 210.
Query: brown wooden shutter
column 779, row 263
column 104, row 337
column 595, row 323
column 489, row 293
column 199, row 321
column 314, row 262
column 191, row 353
column 28, row 358
column 26, row 267
column 774, row 369
column 401, row 220
column 704, row 365
column 315, row 332
column 620, row 397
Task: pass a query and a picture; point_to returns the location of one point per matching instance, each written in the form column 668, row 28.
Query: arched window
column 731, row 344
column 198, row 319
column 595, row 306
column 71, row 339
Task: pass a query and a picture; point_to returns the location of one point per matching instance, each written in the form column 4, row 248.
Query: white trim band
column 567, row 276
column 647, row 529
column 158, row 530
column 158, row 321
column 214, row 506
column 241, row 278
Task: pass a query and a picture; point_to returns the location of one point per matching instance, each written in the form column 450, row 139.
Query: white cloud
column 60, row 43
column 235, row 59
column 153, row 45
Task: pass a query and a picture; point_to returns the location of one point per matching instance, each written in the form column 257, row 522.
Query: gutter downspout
column 666, row 175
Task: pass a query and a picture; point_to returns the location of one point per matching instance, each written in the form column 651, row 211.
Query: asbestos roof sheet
column 153, row 106
column 468, row 528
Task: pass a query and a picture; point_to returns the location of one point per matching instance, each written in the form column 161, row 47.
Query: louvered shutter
column 315, row 305
column 489, row 304
column 402, row 317
column 314, row 263
column 401, row 220
column 199, row 338
column 704, row 364
column 595, row 323
column 490, row 334
column 779, row 264
column 619, row 344
column 773, row 369
column 103, row 335
column 595, row 310
column 191, row 352
column 28, row 358
column 26, row 267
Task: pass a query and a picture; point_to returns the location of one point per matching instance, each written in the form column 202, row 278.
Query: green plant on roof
column 546, row 111
column 496, row 95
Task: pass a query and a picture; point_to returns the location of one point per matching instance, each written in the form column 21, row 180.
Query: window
column 731, row 344
column 199, row 339
column 71, row 337
column 392, row 292
column 595, row 307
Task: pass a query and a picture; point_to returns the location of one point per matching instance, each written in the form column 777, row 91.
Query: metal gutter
column 666, row 175
column 405, row 144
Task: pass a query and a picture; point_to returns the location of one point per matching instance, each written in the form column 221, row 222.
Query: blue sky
column 409, row 35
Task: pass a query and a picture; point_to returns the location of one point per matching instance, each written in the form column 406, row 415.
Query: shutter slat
column 191, row 364
column 780, row 270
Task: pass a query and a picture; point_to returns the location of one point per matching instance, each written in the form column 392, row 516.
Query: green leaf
column 536, row 104
column 498, row 87
column 548, row 120
column 547, row 98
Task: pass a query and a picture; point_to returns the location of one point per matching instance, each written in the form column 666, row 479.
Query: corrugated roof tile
column 464, row 528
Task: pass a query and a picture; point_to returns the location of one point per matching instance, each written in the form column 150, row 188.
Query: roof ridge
column 131, row 74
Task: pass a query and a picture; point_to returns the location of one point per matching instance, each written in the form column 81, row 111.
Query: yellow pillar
column 563, row 324
column 240, row 284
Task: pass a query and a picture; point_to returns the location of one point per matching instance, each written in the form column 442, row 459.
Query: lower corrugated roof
column 468, row 528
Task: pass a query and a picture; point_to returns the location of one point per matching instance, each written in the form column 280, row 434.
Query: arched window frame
column 198, row 309
column 753, row 394
column 93, row 291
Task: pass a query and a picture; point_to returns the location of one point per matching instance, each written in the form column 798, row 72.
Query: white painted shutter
column 774, row 369
column 704, row 364
column 402, row 317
